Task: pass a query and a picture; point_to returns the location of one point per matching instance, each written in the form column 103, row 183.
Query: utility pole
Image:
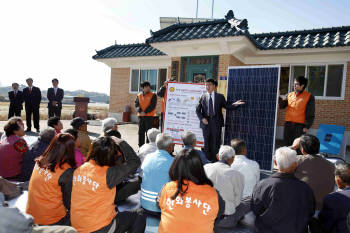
column 197, row 10
column 212, row 9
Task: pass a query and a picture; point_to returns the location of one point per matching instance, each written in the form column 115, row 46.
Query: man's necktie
column 211, row 109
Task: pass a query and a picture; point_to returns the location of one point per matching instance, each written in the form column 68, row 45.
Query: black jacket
column 52, row 97
column 282, row 204
column 150, row 107
column 16, row 102
column 219, row 103
column 309, row 111
column 33, row 99
column 336, row 207
column 35, row 150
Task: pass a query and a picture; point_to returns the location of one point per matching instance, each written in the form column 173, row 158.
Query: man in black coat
column 209, row 112
column 32, row 99
column 282, row 203
column 55, row 96
column 16, row 101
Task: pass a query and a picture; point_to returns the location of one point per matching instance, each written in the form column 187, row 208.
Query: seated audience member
column 35, row 150
column 150, row 147
column 155, row 173
column 190, row 142
column 55, row 123
column 94, row 189
column 12, row 220
column 229, row 184
column 248, row 168
column 79, row 124
column 12, row 149
column 313, row 169
column 110, row 124
column 79, row 157
column 336, row 205
column 51, row 183
column 282, row 203
column 189, row 203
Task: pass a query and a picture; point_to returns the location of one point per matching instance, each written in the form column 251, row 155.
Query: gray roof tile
column 230, row 26
column 128, row 50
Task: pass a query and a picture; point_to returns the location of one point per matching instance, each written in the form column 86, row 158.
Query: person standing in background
column 16, row 101
column 300, row 112
column 32, row 99
column 55, row 96
column 162, row 93
column 145, row 104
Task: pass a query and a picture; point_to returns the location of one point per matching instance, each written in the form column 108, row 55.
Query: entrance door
column 198, row 73
column 198, row 69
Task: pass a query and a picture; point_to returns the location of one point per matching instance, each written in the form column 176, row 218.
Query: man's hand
column 238, row 102
column 143, row 114
column 165, row 83
column 296, row 144
column 205, row 121
column 305, row 130
column 54, row 103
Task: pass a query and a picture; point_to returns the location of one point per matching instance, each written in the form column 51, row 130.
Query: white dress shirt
column 250, row 170
column 146, row 149
column 213, row 98
column 228, row 182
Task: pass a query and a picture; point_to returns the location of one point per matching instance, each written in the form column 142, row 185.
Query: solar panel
column 254, row 122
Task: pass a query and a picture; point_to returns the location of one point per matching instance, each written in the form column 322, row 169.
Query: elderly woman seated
column 12, row 149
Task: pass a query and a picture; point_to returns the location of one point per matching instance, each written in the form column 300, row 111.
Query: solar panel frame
column 273, row 106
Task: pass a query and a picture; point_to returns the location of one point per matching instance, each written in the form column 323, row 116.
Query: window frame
column 145, row 68
column 324, row 97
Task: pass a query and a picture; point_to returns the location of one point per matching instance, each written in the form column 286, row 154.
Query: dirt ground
column 101, row 112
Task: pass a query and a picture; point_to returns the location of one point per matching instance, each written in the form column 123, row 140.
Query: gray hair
column 163, row 141
column 152, row 134
column 285, row 157
column 226, row 153
column 47, row 134
column 188, row 138
column 108, row 123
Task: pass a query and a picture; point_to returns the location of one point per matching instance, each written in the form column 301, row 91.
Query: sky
column 46, row 39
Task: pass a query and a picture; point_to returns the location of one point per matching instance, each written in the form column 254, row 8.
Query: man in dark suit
column 55, row 96
column 16, row 101
column 209, row 112
column 32, row 99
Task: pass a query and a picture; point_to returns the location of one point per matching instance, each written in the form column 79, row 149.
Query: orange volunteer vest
column 195, row 212
column 92, row 202
column 144, row 102
column 45, row 201
column 297, row 107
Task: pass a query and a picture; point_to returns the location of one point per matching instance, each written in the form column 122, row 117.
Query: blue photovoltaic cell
column 253, row 122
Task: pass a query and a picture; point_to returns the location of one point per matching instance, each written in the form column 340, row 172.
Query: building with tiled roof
column 186, row 49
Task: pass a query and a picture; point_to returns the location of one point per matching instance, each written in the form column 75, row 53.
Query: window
column 161, row 77
column 134, row 80
column 154, row 76
column 316, row 76
column 284, row 80
column 325, row 81
column 335, row 80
